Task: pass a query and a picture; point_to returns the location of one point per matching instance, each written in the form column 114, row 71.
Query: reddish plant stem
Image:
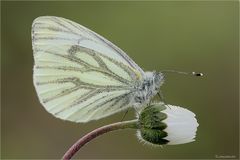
column 97, row 132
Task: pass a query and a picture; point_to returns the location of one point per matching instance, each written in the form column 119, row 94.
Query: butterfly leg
column 161, row 96
column 148, row 104
column 137, row 111
column 124, row 114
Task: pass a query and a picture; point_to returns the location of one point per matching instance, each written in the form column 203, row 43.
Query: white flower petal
column 181, row 125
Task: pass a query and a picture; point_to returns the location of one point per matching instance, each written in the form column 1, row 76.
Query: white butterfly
column 80, row 76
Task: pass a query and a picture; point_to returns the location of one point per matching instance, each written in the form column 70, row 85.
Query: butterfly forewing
column 79, row 75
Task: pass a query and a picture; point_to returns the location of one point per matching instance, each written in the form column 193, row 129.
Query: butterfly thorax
column 148, row 88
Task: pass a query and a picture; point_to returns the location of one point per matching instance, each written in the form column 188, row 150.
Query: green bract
column 151, row 124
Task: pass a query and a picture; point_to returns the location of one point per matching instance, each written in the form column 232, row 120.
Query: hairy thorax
column 148, row 88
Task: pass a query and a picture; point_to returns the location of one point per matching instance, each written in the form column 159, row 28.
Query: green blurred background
column 185, row 36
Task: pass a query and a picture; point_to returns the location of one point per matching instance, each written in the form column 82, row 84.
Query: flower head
column 166, row 124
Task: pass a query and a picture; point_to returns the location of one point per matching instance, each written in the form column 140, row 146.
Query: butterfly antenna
column 186, row 73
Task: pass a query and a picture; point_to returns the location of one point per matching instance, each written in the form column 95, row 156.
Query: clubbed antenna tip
column 197, row 74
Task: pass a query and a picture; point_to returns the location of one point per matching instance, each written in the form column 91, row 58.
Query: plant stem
column 97, row 132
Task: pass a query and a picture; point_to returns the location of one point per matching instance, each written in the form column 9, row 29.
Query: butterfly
column 81, row 76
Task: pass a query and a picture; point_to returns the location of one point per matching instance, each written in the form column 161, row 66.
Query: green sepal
column 152, row 117
column 151, row 125
column 154, row 136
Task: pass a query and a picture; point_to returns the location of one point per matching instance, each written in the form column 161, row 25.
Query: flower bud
column 166, row 124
